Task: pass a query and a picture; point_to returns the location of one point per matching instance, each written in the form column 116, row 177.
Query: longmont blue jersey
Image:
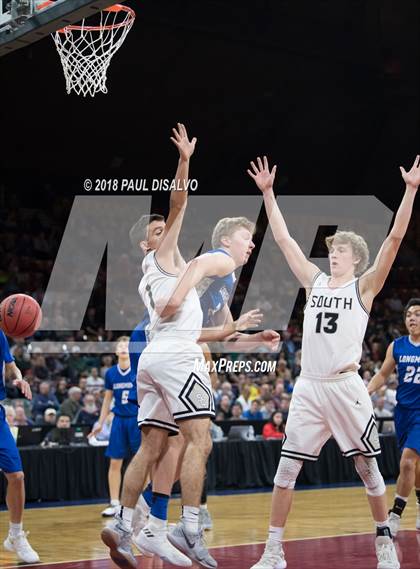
column 215, row 292
column 5, row 358
column 407, row 357
column 123, row 385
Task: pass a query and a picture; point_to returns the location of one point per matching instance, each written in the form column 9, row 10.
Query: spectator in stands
column 89, row 413
column 265, row 392
column 83, row 382
column 278, row 392
column 55, row 436
column 268, row 409
column 254, row 412
column 50, row 417
column 236, row 411
column 71, row 406
column 42, row 400
column 224, row 411
column 106, row 363
column 94, row 380
column 10, row 415
column 225, row 389
column 381, row 412
column 21, row 420
column 61, row 391
column 39, row 367
column 274, row 429
column 245, row 397
column 284, row 406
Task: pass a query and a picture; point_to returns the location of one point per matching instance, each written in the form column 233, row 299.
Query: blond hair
column 227, row 226
column 358, row 245
column 123, row 339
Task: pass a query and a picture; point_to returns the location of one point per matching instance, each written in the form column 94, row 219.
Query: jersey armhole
column 308, row 290
column 359, row 298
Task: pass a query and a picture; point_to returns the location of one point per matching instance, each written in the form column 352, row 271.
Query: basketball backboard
column 23, row 22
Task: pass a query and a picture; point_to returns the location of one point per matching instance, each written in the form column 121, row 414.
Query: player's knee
column 287, row 473
column 367, row 469
column 408, row 464
column 15, row 477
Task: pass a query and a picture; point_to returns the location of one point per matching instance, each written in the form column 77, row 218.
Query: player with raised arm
column 215, row 293
column 330, row 397
column 164, row 369
column 124, row 441
column 10, row 462
column 404, row 354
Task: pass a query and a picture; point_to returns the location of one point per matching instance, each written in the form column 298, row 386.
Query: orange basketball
column 20, row 315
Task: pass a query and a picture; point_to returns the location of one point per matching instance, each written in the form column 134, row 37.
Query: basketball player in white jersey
column 330, row 398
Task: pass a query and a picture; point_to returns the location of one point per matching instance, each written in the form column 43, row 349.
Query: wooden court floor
column 69, row 535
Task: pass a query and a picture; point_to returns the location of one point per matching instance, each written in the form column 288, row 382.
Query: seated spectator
column 10, row 419
column 381, row 412
column 284, row 406
column 224, row 408
column 236, row 411
column 61, row 391
column 50, row 417
column 94, row 380
column 245, row 397
column 83, row 377
column 71, row 405
column 55, row 436
column 254, row 412
column 225, row 389
column 268, row 409
column 21, row 420
column 274, row 429
column 39, row 367
column 42, row 400
column 89, row 413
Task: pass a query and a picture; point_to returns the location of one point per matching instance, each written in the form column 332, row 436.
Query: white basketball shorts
column 338, row 407
column 171, row 384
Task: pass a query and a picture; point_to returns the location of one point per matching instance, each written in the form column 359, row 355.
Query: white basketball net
column 86, row 51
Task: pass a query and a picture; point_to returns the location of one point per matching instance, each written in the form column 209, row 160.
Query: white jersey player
column 329, row 397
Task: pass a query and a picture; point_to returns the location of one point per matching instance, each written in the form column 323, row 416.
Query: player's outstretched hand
column 24, row 386
column 180, row 139
column 261, row 174
column 271, row 339
column 412, row 177
column 97, row 428
column 250, row 319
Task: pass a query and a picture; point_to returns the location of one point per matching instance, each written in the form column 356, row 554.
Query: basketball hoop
column 86, row 50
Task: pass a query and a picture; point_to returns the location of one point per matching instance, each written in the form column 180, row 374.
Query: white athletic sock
column 275, row 534
column 157, row 523
column 190, row 518
column 143, row 505
column 383, row 524
column 15, row 529
column 115, row 503
column 203, row 507
column 126, row 515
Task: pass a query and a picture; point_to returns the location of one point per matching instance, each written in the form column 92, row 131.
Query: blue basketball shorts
column 407, row 428
column 125, row 437
column 9, row 454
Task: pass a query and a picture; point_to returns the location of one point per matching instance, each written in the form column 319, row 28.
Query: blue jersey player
column 124, row 441
column 404, row 354
column 10, row 462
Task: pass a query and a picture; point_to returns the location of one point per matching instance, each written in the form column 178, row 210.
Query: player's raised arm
column 203, row 266
column 388, row 366
column 373, row 280
column 303, row 269
column 178, row 198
